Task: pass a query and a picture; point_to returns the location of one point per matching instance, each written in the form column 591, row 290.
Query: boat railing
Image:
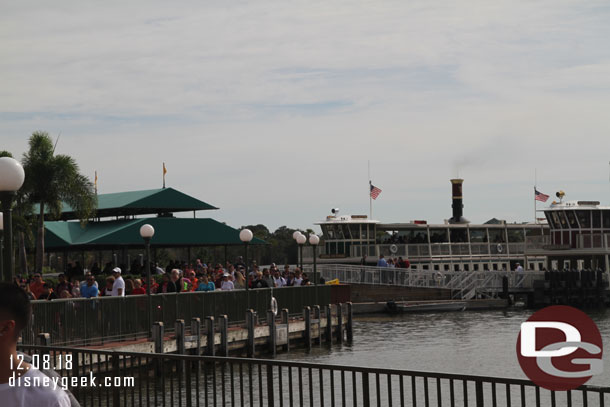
column 463, row 281
column 537, row 242
column 589, row 241
column 436, row 250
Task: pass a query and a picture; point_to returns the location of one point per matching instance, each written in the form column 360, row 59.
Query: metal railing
column 104, row 319
column 188, row 380
column 465, row 285
column 439, row 249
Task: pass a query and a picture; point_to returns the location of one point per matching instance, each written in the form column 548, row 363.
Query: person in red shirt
column 138, row 289
column 37, row 286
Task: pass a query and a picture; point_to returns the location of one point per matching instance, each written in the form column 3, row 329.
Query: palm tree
column 51, row 179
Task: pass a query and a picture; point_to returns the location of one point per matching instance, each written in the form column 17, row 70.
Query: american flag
column 375, row 191
column 540, row 196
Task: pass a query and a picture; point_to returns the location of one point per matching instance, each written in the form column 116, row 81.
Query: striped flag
column 540, row 196
column 375, row 191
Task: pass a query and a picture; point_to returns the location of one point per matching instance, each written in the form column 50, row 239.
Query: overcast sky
column 271, row 110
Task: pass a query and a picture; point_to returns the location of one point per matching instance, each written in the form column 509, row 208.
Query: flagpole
column 370, row 196
column 164, row 171
column 535, row 200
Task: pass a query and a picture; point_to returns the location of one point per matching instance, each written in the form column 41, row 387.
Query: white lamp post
column 314, row 240
column 147, row 232
column 301, row 239
column 246, row 236
column 11, row 179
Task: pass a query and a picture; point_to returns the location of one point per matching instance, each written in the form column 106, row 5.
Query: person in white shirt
column 278, row 279
column 118, row 287
column 298, row 278
column 227, row 284
column 21, row 384
column 519, row 268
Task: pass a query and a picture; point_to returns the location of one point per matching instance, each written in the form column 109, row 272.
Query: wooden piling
column 339, row 323
column 318, row 317
column 272, row 337
column 223, row 323
column 285, row 322
column 209, row 325
column 307, row 333
column 158, row 333
column 329, row 324
column 350, row 327
column 179, row 330
column 196, row 332
column 250, row 326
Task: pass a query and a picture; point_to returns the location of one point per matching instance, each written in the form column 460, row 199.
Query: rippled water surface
column 473, row 342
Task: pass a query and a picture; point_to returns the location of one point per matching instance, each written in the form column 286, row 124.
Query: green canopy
column 152, row 201
column 169, row 232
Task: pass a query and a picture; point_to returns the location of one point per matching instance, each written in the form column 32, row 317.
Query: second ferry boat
column 455, row 245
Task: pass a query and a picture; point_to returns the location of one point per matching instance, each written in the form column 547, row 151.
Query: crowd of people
column 391, row 262
column 177, row 277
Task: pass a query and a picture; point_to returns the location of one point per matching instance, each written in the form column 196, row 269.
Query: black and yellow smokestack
column 457, row 205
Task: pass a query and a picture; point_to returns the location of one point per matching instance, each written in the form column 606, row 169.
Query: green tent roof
column 168, row 232
column 163, row 200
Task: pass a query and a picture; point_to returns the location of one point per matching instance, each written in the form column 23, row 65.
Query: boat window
column 495, row 266
column 355, row 231
column 456, row 267
column 556, row 222
column 584, row 218
column 438, row 236
column 572, row 219
column 332, row 231
column 476, row 267
column 446, row 267
column 597, row 222
column 550, row 219
column 346, row 231
column 496, row 235
column 466, row 267
column 436, row 267
column 459, row 236
column 324, row 231
column 485, row 266
column 414, row 236
column 478, row 236
column 425, row 267
column 515, row 235
column 563, row 220
column 606, row 219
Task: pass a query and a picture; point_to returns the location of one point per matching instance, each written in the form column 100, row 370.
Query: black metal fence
column 104, row 319
column 185, row 380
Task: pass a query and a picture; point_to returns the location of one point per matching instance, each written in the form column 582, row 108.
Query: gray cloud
column 271, row 110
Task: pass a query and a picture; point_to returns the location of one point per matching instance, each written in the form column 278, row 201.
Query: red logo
column 560, row 348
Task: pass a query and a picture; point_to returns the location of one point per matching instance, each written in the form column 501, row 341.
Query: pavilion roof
column 169, row 232
column 151, row 201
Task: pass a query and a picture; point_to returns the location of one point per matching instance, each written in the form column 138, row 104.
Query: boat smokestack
column 457, row 205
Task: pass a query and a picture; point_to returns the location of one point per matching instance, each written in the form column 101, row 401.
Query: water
column 473, row 342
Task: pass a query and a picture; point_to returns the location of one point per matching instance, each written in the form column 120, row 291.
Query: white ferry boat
column 578, row 238
column 455, row 245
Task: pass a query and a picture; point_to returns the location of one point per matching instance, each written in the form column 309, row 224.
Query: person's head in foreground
column 15, row 310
